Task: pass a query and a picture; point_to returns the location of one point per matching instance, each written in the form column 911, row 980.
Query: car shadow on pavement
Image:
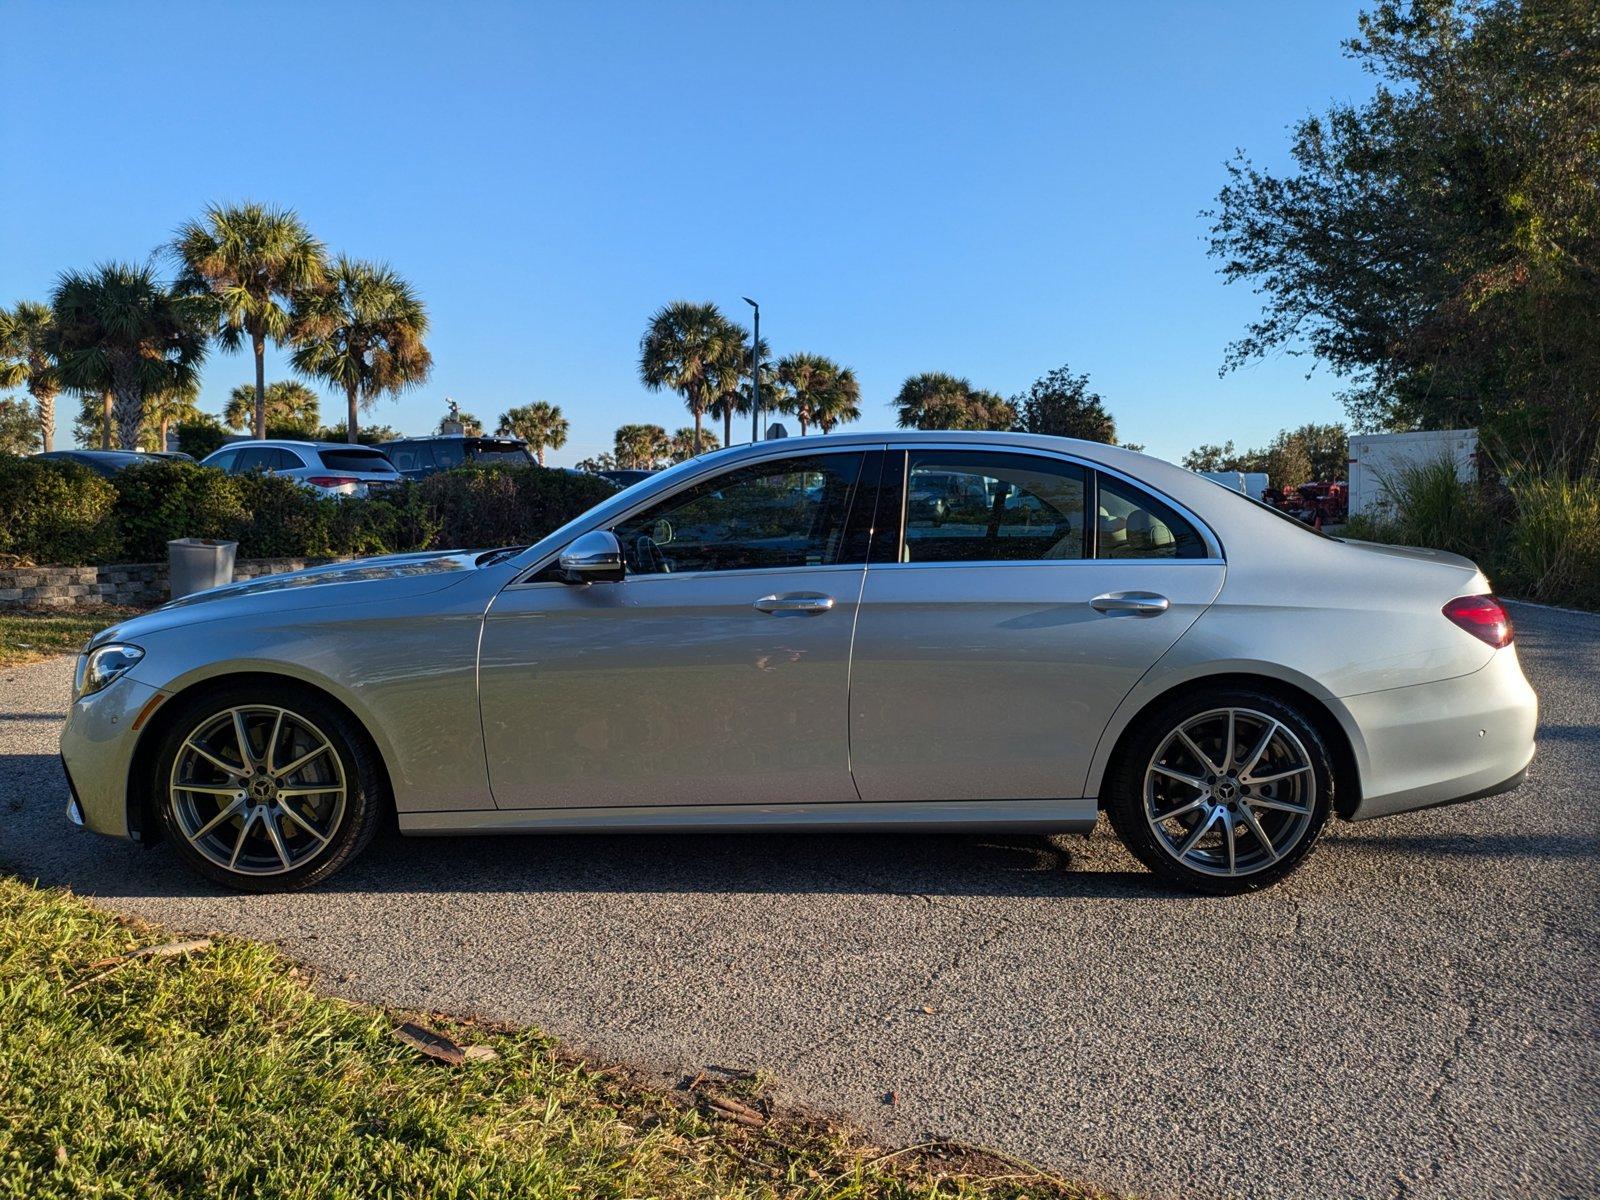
column 37, row 843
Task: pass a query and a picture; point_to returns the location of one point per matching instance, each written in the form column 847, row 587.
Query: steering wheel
column 648, row 554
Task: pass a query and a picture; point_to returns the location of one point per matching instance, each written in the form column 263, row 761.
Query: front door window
column 789, row 513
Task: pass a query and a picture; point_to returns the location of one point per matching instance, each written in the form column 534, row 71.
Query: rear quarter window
column 355, row 459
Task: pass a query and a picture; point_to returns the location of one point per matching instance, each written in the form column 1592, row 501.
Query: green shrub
column 396, row 522
column 502, row 506
column 1433, row 507
column 1553, row 545
column 284, row 518
column 201, row 437
column 56, row 512
column 160, row 501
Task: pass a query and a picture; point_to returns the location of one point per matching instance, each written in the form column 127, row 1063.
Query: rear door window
column 255, row 458
column 412, row 456
column 286, row 460
column 982, row 506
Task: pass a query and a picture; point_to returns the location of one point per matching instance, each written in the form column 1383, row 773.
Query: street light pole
column 755, row 374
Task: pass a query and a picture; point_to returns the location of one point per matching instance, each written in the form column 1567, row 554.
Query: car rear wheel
column 1223, row 792
column 267, row 789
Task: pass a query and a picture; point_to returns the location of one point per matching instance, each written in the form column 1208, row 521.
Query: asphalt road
column 1413, row 1014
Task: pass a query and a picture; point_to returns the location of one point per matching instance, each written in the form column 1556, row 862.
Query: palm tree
column 686, row 348
column 641, row 447
column 680, row 446
column 730, row 381
column 540, row 424
column 362, row 333
column 802, row 381
column 840, row 403
column 121, row 333
column 167, row 407
column 253, row 261
column 470, row 425
column 27, row 357
column 934, row 400
column 288, row 402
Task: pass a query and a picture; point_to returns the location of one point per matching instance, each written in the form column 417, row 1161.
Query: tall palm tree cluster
column 120, row 337
column 696, row 351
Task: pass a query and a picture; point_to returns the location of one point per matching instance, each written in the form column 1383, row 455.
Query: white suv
column 328, row 468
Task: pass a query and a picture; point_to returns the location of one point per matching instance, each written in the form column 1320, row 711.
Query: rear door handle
column 1140, row 604
column 795, row 602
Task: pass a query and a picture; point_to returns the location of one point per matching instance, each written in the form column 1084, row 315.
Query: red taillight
column 332, row 481
column 1484, row 617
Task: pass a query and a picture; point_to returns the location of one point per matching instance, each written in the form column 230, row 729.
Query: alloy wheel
column 1230, row 792
column 257, row 789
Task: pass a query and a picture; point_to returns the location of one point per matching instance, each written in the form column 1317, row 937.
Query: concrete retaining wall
column 132, row 585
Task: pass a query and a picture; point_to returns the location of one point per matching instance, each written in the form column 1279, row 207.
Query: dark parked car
column 105, row 462
column 418, row 457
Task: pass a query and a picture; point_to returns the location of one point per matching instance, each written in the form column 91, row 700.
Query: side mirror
column 596, row 557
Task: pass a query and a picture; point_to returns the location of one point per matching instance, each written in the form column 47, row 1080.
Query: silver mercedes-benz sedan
column 908, row 630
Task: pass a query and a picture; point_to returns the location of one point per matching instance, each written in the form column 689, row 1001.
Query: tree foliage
column 816, row 391
column 289, row 403
column 540, row 424
column 252, row 261
column 644, row 447
column 694, row 350
column 1294, row 456
column 19, row 426
column 934, row 400
column 120, row 331
column 28, row 359
column 1060, row 404
column 1439, row 244
column 362, row 332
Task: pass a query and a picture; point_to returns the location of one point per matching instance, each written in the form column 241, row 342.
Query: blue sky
column 989, row 189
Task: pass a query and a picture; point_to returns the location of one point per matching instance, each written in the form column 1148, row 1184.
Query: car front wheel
column 1223, row 792
column 265, row 789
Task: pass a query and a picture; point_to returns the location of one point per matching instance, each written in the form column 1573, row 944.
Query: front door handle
column 795, row 602
column 1140, row 604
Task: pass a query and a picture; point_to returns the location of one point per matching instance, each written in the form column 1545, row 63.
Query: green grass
column 29, row 636
column 223, row 1073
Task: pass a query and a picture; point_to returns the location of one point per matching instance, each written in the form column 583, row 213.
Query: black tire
column 365, row 791
column 1125, row 792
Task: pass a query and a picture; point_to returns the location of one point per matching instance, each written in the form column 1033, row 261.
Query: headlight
column 100, row 667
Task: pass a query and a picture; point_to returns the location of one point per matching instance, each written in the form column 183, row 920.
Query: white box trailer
column 1376, row 457
column 1251, row 483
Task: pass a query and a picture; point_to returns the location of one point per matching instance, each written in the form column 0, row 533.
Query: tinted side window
column 413, row 456
column 356, row 459
column 286, row 460
column 973, row 506
column 223, row 460
column 1134, row 524
column 448, row 454
column 785, row 514
column 256, row 458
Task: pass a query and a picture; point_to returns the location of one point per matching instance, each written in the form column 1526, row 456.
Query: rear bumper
column 1446, row 742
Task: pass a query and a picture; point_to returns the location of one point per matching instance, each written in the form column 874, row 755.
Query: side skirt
column 1022, row 816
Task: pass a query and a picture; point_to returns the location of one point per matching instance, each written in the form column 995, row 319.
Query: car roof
column 455, row 437
column 245, row 443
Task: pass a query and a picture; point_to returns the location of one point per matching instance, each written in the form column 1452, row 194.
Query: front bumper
column 1439, row 743
column 97, row 748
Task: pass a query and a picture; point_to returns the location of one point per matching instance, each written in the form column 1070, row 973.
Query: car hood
column 359, row 581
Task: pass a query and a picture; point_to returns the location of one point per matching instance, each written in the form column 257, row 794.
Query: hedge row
column 57, row 513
